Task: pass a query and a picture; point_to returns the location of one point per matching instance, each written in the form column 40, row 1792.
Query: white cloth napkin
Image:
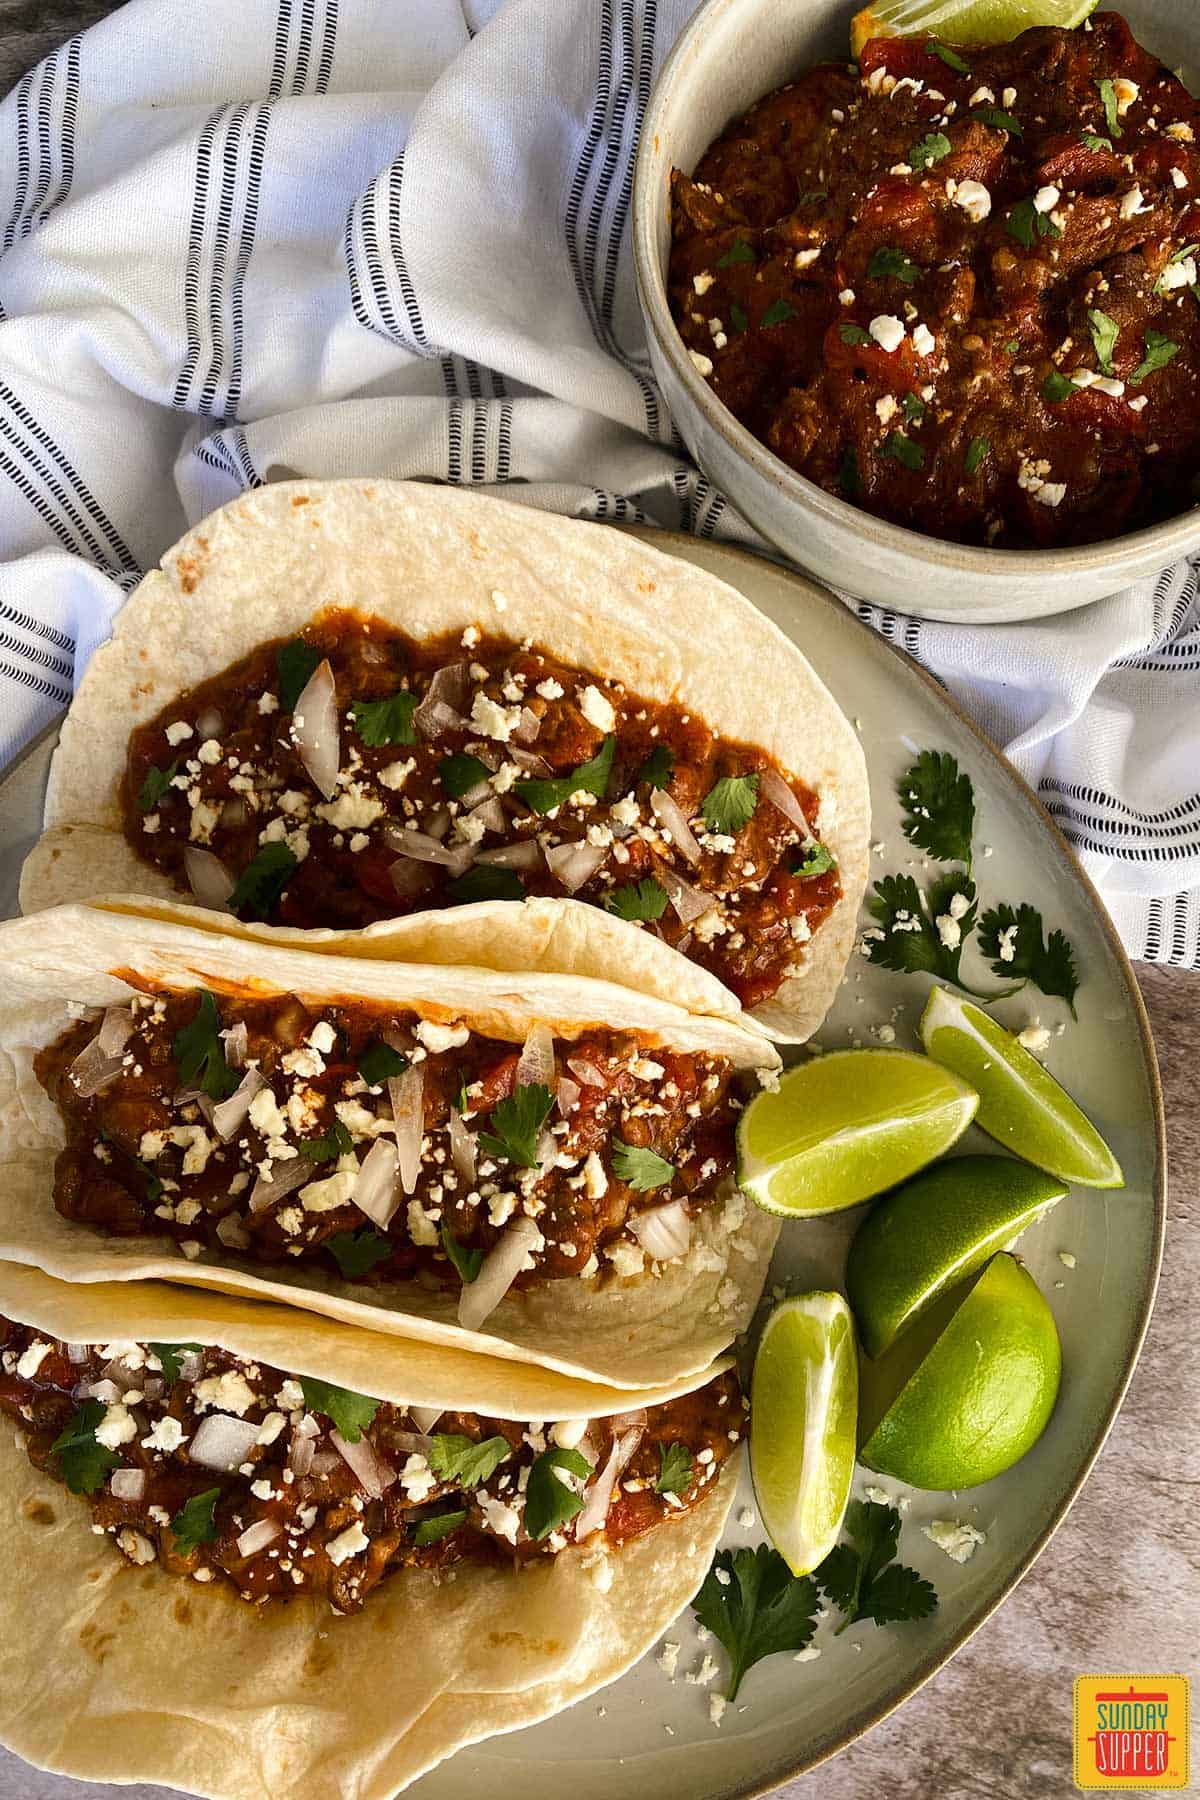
column 258, row 237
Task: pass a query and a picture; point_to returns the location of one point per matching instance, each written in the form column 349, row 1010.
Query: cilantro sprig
column 739, row 252
column 459, row 774
column 329, row 1146
column 1108, row 95
column 378, row 1061
column 930, row 150
column 646, row 899
column 1014, row 941
column 1160, row 350
column 356, row 1253
column 1104, row 331
column 200, row 1055
column 549, row 1502
column 642, row 1170
column 939, row 807
column 437, row 1527
column 658, row 767
column 1000, row 120
column 259, row 888
column 486, row 881
column 85, row 1465
column 817, row 859
column 155, row 785
column 730, row 803
column 516, row 1123
column 350, row 1412
column 295, row 664
column 755, row 1607
column 171, row 1357
column 978, row 451
column 195, row 1522
column 674, row 1469
column 888, row 263
column 950, row 57
column 862, row 1577
column 777, row 313
column 388, row 721
column 467, row 1262
column 545, row 795
column 1027, row 224
column 461, row 1459
column 908, row 937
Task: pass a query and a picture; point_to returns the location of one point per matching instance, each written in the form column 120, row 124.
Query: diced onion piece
column 284, row 1179
column 437, row 823
column 77, row 1353
column 209, row 724
column 127, row 1484
column 108, row 1391
column 463, row 1148
column 689, row 902
column 92, row 1070
column 191, row 1365
column 256, row 1537
column 567, row 1095
column 585, row 1071
column 441, row 709
column 236, row 1040
column 374, row 1477
column 230, row 1115
column 670, row 816
column 481, row 791
column 599, row 1494
column 420, row 847
column 301, row 1453
column 525, row 855
column 153, row 1387
column 233, row 813
column 407, row 1095
column 425, row 1417
column 530, row 761
column 774, row 788
column 626, row 1421
column 315, row 730
column 573, row 864
column 114, row 1031
column 490, row 813
column 222, row 1442
column 528, row 726
column 412, row 1443
column 208, row 878
column 499, row 1269
column 376, row 1192
column 663, row 1231
column 536, row 1064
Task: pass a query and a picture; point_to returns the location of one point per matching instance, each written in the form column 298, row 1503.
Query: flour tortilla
column 114, row 1673
column 432, row 560
column 638, row 1332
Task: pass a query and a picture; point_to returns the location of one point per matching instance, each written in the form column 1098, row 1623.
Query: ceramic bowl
column 731, row 53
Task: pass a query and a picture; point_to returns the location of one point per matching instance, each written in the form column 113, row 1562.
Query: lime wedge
column 963, row 21
column 1020, row 1105
column 840, row 1128
column 803, row 1411
column 935, row 1231
column 966, row 1392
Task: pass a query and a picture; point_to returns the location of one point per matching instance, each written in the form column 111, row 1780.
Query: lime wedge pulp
column 963, row 21
column 935, row 1231
column 1020, row 1104
column 842, row 1127
column 803, row 1413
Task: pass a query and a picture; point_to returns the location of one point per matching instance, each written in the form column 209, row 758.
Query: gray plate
column 649, row 1735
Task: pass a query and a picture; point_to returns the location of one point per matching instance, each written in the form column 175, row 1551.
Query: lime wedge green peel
column 803, row 1413
column 963, row 21
column 965, row 1393
column 843, row 1127
column 1020, row 1104
column 934, row 1232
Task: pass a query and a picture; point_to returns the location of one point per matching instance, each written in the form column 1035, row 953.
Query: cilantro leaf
column 658, row 767
column 1027, row 224
column 737, row 316
column 1108, row 95
column 1000, row 120
column 295, row 664
column 155, row 785
column 194, row 1523
column 950, row 57
column 378, row 1061
column 642, row 1170
column 461, row 1459
column 817, row 860
column 258, row 888
column 853, row 334
column 592, row 776
column 357, row 1252
column 350, row 1412
column 756, row 1607
column 1056, row 388
column 516, row 1123
column 549, row 1502
column 387, row 721
column 334, row 1143
column 674, row 1469
column 433, row 1530
column 85, row 1464
column 645, row 899
column 1095, row 143
column 1159, row 352
column 901, row 448
column 849, row 477
column 487, row 881
column 776, row 314
column 863, row 1580
column 459, row 774
column 200, row 1055
column 939, row 802
column 930, row 150
column 897, row 1595
column 1105, row 332
column 739, row 252
column 911, row 942
column 171, row 1356
column 912, row 408
column 1049, row 965
column 978, row 450
column 730, row 803
column 887, row 262
column 467, row 1262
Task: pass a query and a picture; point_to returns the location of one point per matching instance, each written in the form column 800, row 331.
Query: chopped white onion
column 670, row 816
column 300, row 1455
column 376, row 1192
column 78, row 1353
column 663, row 1231
column 209, row 724
column 412, row 1443
column 127, row 1484
column 407, row 1095
column 530, row 761
column 222, row 1442
column 585, row 1071
column 233, row 812
column 463, row 1148
column 441, row 709
column 315, row 730
column 437, row 823
column 567, row 1095
column 108, row 1391
column 256, row 1537
column 114, row 1031
column 525, row 855
column 208, row 878
column 626, row 1421
column 153, row 1387
column 596, row 1500
column 191, row 1365
column 473, row 795
column 229, row 1115
column 689, row 903
column 236, row 1040
column 573, row 864
column 499, row 1269
column 375, row 1477
column 528, row 726
column 490, row 813
column 774, row 788
column 425, row 1417
column 536, row 1064
column 284, row 1179
column 420, row 847
column 92, row 1070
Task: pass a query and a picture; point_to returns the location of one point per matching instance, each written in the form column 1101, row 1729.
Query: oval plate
column 648, row 1734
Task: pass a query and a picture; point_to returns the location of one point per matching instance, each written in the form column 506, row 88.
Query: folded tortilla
column 435, row 561
column 112, row 1672
column 638, row 1331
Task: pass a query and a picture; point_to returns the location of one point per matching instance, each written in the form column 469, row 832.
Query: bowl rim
column 1124, row 556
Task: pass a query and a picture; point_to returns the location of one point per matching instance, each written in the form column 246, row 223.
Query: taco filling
column 395, row 1147
column 355, row 774
column 224, row 1469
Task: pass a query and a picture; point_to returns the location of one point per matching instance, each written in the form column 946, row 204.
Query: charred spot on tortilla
column 39, row 1512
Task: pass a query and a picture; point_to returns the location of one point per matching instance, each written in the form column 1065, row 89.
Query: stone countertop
column 1117, row 1588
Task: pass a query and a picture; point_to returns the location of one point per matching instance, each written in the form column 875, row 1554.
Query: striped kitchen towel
column 326, row 237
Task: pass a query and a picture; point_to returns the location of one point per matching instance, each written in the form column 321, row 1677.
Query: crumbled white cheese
column 957, row 1538
column 1126, row 92
column 228, row 1392
column 597, row 709
column 703, row 364
column 32, row 1359
column 924, row 342
column 351, row 811
column 972, row 197
column 178, row 733
column 351, row 1542
column 116, row 1427
column 702, row 282
column 1046, row 199
column 501, row 1518
column 331, row 1192
column 888, row 332
column 492, row 720
column 1035, row 1037
column 440, row 1037
column 886, row 408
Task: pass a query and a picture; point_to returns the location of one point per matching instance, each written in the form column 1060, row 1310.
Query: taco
column 265, row 1580
column 348, row 704
column 540, row 1167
